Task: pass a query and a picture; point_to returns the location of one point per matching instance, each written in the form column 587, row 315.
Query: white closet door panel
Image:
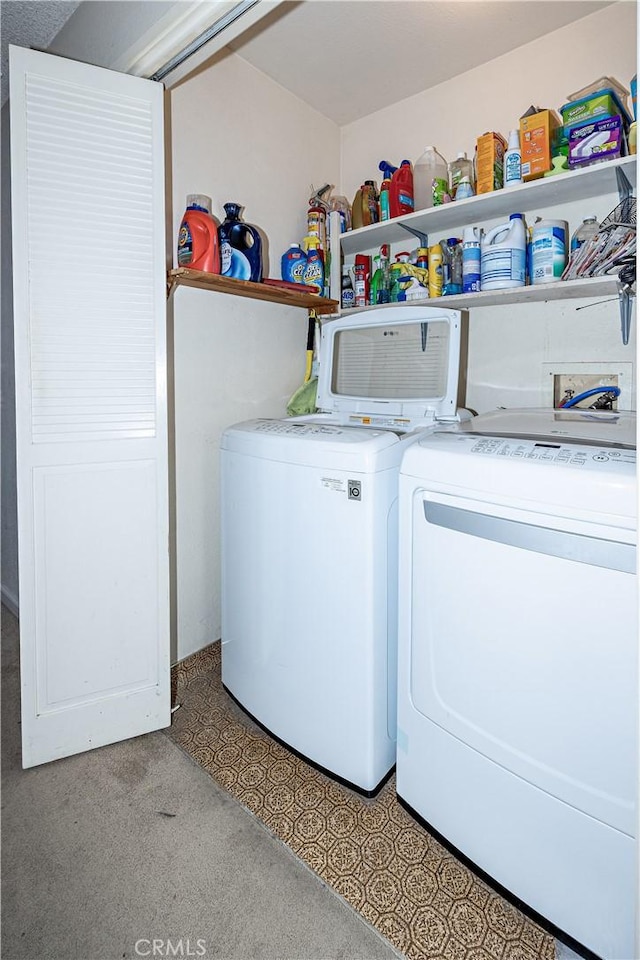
column 89, row 295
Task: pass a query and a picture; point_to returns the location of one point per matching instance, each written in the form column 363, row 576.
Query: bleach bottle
column 240, row 246
column 198, row 246
column 503, row 255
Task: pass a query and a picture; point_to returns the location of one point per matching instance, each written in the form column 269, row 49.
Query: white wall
column 509, row 347
column 241, row 137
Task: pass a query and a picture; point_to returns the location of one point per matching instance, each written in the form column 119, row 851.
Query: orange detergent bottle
column 198, row 236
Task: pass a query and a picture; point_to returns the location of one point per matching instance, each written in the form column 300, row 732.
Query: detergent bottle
column 430, row 180
column 293, row 263
column 314, row 270
column 198, row 246
column 240, row 246
column 503, row 255
column 400, row 187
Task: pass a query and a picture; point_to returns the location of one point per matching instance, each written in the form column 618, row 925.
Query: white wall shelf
column 564, row 188
column 540, row 293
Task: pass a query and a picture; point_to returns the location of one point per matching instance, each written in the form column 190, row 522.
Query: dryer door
column 534, row 664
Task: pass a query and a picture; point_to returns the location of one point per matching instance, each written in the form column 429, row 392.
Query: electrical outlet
column 568, row 385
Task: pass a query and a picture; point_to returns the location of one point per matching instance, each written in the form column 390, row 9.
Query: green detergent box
column 597, row 106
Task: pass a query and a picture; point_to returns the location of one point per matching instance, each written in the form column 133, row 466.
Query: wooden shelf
column 182, row 276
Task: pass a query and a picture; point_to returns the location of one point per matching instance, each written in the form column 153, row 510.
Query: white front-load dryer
column 518, row 660
column 309, row 541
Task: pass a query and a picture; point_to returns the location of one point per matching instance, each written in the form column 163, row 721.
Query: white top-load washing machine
column 518, row 660
column 309, row 540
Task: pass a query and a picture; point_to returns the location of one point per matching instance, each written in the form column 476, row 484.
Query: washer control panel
column 575, row 455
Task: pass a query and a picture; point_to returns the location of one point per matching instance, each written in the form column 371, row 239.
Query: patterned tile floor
column 372, row 852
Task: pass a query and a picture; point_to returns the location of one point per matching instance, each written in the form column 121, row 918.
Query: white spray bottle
column 513, row 161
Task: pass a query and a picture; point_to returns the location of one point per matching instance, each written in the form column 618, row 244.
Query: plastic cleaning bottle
column 548, row 250
column 400, row 187
column 465, row 190
column 380, row 285
column 457, row 169
column 587, row 229
column 385, row 213
column 343, row 207
column 347, row 293
column 362, row 278
column 293, row 263
column 513, row 161
column 198, row 246
column 503, row 255
column 430, row 180
column 373, row 201
column 435, row 270
column 471, row 260
column 240, row 246
column 314, row 270
column 451, row 266
column 358, row 208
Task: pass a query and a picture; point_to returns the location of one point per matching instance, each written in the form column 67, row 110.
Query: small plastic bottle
column 384, row 200
column 465, row 189
column 587, row 229
column 458, row 170
column 513, row 161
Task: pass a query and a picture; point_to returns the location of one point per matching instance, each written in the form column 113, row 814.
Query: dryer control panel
column 546, row 451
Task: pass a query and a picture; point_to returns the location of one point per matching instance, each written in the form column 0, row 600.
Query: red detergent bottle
column 400, row 187
column 198, row 236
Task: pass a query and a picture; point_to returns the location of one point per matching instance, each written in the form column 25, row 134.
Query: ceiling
column 32, row 24
column 349, row 58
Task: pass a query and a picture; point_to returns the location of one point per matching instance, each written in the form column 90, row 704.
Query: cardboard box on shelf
column 536, row 137
column 490, row 162
column 592, row 142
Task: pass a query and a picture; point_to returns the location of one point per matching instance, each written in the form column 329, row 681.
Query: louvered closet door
column 89, row 312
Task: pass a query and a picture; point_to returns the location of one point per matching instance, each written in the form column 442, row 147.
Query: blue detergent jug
column 240, row 246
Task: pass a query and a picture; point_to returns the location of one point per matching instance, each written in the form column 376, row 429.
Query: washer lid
column 392, row 362
column 591, row 427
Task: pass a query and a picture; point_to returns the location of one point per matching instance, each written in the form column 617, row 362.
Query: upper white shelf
column 583, row 184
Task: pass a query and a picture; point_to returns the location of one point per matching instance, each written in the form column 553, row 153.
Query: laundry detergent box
column 596, row 141
column 490, row 153
column 537, row 131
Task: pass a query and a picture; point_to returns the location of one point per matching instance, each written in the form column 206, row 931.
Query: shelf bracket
column 624, row 187
column 422, row 237
column 625, row 296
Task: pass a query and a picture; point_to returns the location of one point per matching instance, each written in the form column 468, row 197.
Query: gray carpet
column 135, row 842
